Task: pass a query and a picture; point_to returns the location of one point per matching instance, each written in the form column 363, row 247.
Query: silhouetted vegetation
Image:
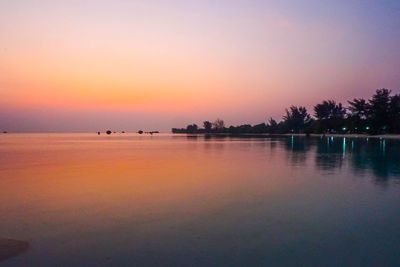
column 296, row 119
column 329, row 117
column 378, row 115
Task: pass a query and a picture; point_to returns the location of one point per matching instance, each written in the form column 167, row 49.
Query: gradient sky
column 127, row 65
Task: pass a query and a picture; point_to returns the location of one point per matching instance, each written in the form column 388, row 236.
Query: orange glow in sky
column 178, row 62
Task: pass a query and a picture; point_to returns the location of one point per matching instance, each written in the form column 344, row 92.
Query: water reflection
column 298, row 149
column 130, row 200
column 377, row 156
column 329, row 153
column 380, row 157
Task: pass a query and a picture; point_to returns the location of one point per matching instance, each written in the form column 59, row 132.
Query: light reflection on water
column 123, row 200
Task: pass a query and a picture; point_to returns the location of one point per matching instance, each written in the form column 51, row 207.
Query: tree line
column 378, row 115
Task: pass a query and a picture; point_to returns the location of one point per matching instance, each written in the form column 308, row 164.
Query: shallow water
column 130, row 200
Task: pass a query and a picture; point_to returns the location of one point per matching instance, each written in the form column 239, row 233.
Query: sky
column 72, row 65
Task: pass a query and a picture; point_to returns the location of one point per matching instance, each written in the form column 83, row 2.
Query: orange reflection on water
column 97, row 181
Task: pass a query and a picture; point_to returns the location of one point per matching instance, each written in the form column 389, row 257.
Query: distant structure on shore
column 378, row 115
column 151, row 132
column 109, row 132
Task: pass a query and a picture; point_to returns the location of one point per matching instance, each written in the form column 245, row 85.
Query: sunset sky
column 73, row 65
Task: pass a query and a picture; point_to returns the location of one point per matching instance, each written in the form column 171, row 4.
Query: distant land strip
column 379, row 115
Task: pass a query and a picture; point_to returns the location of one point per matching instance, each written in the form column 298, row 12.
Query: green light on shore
column 367, row 128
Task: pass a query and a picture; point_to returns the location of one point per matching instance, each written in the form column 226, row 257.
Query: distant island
column 378, row 115
column 108, row 132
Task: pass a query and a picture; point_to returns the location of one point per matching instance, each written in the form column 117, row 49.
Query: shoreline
column 10, row 248
column 382, row 136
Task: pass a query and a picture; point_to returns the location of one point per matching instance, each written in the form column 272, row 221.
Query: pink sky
column 73, row 66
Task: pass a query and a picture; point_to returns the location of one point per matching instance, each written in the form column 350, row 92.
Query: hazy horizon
column 68, row 66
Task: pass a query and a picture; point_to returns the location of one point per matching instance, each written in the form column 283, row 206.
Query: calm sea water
column 130, row 200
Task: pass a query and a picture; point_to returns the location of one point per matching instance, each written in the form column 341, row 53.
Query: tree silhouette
column 272, row 126
column 192, row 128
column 219, row 125
column 379, row 111
column 394, row 114
column 260, row 128
column 207, row 126
column 330, row 116
column 358, row 109
column 380, row 114
column 296, row 119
